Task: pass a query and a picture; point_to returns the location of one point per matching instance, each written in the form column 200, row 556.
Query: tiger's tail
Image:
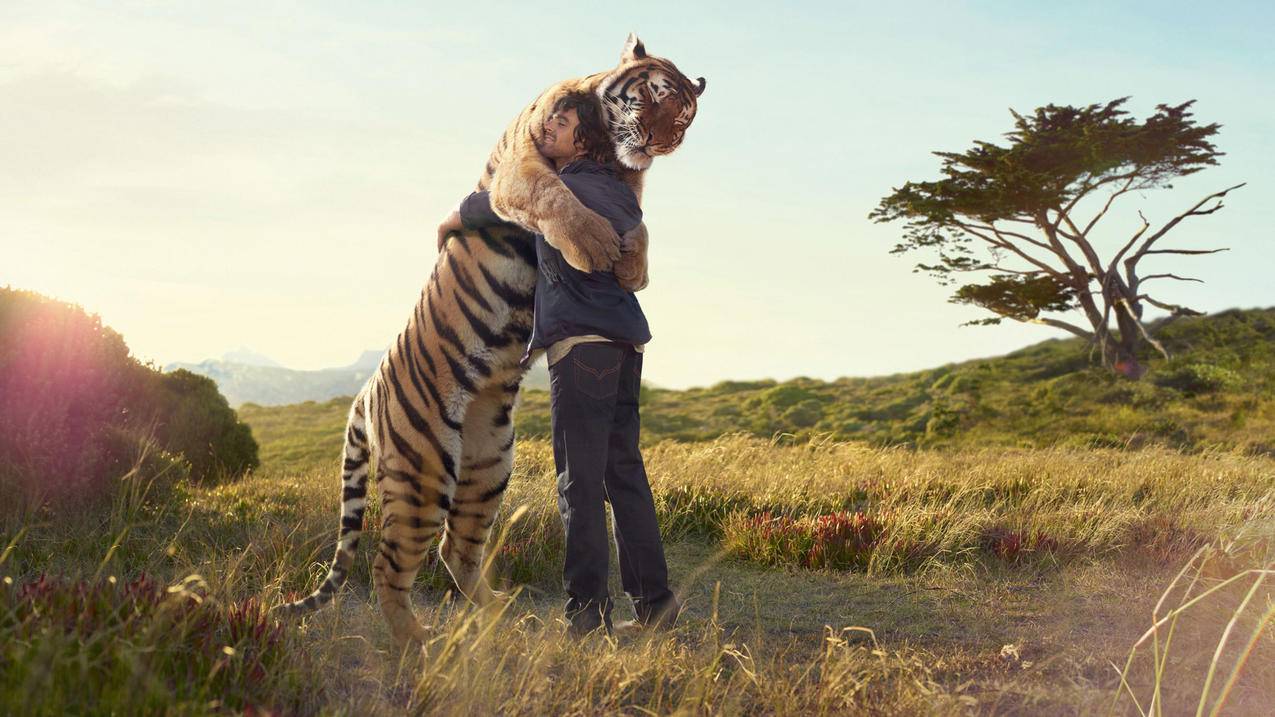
column 354, row 474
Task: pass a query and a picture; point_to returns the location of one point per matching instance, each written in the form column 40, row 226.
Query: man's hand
column 587, row 241
column 451, row 224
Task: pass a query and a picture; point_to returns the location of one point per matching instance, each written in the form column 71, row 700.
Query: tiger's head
column 648, row 105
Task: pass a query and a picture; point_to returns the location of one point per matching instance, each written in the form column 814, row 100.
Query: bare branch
column 1106, row 206
column 1032, row 272
column 1057, row 324
column 1009, row 246
column 1078, row 238
column 1128, row 308
column 1186, row 251
column 1149, row 277
column 1087, row 188
column 1193, row 211
column 1132, row 240
column 1051, row 232
column 1001, row 234
column 1172, row 308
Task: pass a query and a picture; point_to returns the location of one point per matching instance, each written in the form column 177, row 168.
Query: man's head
column 574, row 129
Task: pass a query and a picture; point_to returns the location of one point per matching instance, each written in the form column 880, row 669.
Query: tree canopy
column 1019, row 203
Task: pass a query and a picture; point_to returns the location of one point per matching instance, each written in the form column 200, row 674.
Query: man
column 593, row 332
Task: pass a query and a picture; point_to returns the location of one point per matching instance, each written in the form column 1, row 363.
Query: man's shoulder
column 601, row 189
column 589, row 166
column 586, row 173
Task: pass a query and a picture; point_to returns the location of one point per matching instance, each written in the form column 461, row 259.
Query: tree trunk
column 1117, row 355
column 1128, row 312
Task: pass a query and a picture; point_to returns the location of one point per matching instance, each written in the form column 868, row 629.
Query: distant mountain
column 368, row 361
column 269, row 384
column 248, row 357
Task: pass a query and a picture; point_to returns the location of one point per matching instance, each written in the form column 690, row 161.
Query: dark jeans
column 594, row 403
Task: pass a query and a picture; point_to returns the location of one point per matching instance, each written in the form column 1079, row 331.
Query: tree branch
column 1124, row 303
column 1087, row 188
column 1031, row 272
column 1051, row 232
column 1001, row 234
column 1172, row 308
column 1085, row 247
column 1009, row 246
column 1058, row 324
column 1193, row 211
column 1149, row 277
column 1107, row 206
column 1129, row 245
column 1186, row 251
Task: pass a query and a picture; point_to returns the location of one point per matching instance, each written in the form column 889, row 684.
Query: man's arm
column 473, row 212
column 476, row 213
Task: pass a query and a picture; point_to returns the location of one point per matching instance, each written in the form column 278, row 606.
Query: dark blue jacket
column 570, row 302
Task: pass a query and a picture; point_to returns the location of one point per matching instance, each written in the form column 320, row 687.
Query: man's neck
column 561, row 162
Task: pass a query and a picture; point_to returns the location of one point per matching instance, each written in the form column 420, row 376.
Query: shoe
column 662, row 618
column 628, row 628
column 584, row 622
column 579, row 632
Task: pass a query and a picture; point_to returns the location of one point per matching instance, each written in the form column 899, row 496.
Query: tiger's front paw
column 587, row 241
column 630, row 272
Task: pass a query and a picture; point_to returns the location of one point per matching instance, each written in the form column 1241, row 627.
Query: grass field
column 1218, row 391
column 819, row 578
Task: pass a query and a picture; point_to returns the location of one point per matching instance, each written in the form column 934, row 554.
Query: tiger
column 648, row 104
column 437, row 414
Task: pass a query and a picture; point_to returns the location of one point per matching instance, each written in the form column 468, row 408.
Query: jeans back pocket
column 597, row 373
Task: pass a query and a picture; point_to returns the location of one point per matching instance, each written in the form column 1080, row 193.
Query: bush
column 74, row 404
column 195, row 420
column 803, row 415
column 63, row 378
column 781, row 397
column 1199, row 378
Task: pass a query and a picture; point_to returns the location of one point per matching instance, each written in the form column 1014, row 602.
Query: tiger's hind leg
column 414, row 508
column 486, row 464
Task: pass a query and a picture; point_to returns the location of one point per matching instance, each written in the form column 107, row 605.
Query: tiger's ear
column 633, row 49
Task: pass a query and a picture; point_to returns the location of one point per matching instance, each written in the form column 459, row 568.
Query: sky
column 208, row 176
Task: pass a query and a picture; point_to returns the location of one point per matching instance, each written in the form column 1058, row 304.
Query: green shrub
column 1199, row 378
column 74, row 405
column 64, row 378
column 803, row 415
column 786, row 395
column 194, row 419
column 737, row 386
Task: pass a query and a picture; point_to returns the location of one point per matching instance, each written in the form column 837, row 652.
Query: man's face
column 559, row 136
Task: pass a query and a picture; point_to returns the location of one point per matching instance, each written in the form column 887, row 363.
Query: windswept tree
column 1009, row 217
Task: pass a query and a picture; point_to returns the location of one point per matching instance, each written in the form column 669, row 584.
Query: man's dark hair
column 591, row 132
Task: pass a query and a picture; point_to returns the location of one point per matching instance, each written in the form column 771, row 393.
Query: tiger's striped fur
column 437, row 413
column 648, row 105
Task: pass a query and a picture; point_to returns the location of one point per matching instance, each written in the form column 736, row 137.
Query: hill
column 273, row 385
column 1218, row 390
